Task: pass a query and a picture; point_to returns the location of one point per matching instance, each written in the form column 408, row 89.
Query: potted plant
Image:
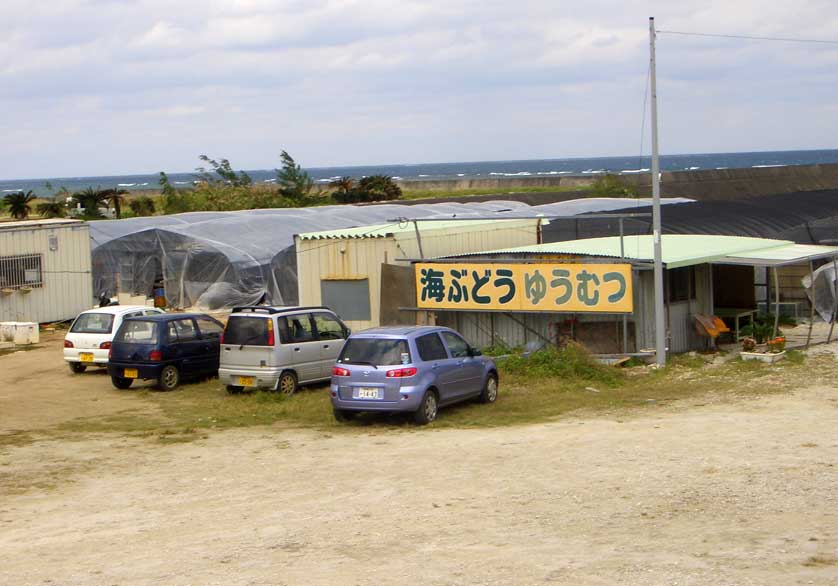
column 775, row 349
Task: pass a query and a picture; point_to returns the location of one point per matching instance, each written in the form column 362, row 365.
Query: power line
column 749, row 37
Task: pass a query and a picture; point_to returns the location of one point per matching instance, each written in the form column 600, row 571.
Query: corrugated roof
column 50, row 223
column 783, row 255
column 384, row 230
column 680, row 250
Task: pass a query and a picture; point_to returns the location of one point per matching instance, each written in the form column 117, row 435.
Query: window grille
column 21, row 271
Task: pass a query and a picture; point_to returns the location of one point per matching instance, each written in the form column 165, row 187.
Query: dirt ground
column 715, row 493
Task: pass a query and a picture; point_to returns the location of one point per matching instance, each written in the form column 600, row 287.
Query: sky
column 106, row 87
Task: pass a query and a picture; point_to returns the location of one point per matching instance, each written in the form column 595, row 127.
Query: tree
column 174, row 202
column 90, row 199
column 294, row 183
column 52, row 209
column 379, row 188
column 343, row 188
column 372, row 188
column 142, row 206
column 223, row 169
column 114, row 197
column 18, row 204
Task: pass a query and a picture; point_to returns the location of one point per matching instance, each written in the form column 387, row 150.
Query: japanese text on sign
column 531, row 287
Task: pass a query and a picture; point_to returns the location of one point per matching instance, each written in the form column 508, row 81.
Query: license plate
column 246, row 381
column 367, row 393
column 86, row 356
column 131, row 373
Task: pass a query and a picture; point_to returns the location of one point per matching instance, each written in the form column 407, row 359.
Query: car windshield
column 250, row 331
column 137, row 332
column 93, row 323
column 375, row 351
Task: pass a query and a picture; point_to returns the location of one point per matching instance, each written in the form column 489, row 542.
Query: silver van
column 279, row 348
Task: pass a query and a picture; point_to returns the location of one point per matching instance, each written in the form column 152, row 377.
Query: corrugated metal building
column 343, row 268
column 45, row 272
column 703, row 275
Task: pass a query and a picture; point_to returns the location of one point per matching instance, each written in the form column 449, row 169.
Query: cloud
column 109, row 86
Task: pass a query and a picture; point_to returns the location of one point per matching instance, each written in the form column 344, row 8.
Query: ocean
column 472, row 170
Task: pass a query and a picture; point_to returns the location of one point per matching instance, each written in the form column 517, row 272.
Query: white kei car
column 89, row 339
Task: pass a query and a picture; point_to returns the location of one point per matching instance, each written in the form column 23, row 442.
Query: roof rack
column 272, row 310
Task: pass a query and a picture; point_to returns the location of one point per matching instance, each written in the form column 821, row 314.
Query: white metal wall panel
column 68, row 286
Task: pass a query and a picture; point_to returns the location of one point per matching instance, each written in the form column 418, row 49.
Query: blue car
column 414, row 369
column 165, row 348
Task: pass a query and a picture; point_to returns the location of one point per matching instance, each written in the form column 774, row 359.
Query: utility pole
column 660, row 315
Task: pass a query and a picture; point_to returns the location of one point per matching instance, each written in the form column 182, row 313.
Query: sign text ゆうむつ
column 604, row 288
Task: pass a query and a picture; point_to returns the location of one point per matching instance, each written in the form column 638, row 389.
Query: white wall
column 66, row 272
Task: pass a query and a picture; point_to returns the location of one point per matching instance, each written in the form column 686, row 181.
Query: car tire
column 428, row 409
column 77, row 367
column 343, row 415
column 490, row 390
column 169, row 378
column 234, row 390
column 122, row 382
column 287, row 384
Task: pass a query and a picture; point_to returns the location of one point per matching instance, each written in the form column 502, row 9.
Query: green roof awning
column 680, row 250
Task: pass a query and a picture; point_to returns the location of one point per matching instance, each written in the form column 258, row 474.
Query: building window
column 350, row 299
column 22, row 271
column 681, row 284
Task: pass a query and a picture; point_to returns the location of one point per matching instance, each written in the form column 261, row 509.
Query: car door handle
column 461, row 362
column 296, row 349
column 325, row 345
column 435, row 366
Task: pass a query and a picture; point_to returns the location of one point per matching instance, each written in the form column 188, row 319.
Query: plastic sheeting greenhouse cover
column 215, row 260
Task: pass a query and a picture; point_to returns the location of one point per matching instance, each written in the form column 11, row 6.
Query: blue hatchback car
column 414, row 369
column 165, row 348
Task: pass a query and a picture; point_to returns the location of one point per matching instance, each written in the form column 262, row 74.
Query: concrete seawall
column 706, row 184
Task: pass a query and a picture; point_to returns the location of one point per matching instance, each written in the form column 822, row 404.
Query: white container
column 768, row 357
column 26, row 333
column 7, row 331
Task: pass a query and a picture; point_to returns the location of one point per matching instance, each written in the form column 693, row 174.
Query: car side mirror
column 347, row 332
column 474, row 352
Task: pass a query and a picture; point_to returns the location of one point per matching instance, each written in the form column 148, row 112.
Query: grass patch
column 549, row 384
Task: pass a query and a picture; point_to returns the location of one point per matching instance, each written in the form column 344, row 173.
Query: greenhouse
column 214, row 260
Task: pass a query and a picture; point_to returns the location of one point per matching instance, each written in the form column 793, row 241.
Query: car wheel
column 490, row 390
column 287, row 383
column 234, row 390
column 121, row 382
column 342, row 415
column 169, row 378
column 428, row 409
column 77, row 367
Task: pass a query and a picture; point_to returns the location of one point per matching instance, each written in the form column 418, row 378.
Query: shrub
column 142, row 206
column 572, row 362
column 372, row 188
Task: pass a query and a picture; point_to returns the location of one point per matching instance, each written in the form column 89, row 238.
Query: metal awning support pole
column 625, row 317
column 418, row 238
column 776, row 302
column 660, row 323
column 812, row 311
column 834, row 298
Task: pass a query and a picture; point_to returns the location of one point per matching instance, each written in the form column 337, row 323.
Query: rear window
column 250, row 331
column 137, row 332
column 376, row 351
column 93, row 323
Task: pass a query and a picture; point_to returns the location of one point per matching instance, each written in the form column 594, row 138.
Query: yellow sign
column 604, row 288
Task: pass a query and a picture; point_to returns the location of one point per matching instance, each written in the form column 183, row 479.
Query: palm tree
column 18, row 204
column 52, row 209
column 343, row 188
column 90, row 199
column 115, row 199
